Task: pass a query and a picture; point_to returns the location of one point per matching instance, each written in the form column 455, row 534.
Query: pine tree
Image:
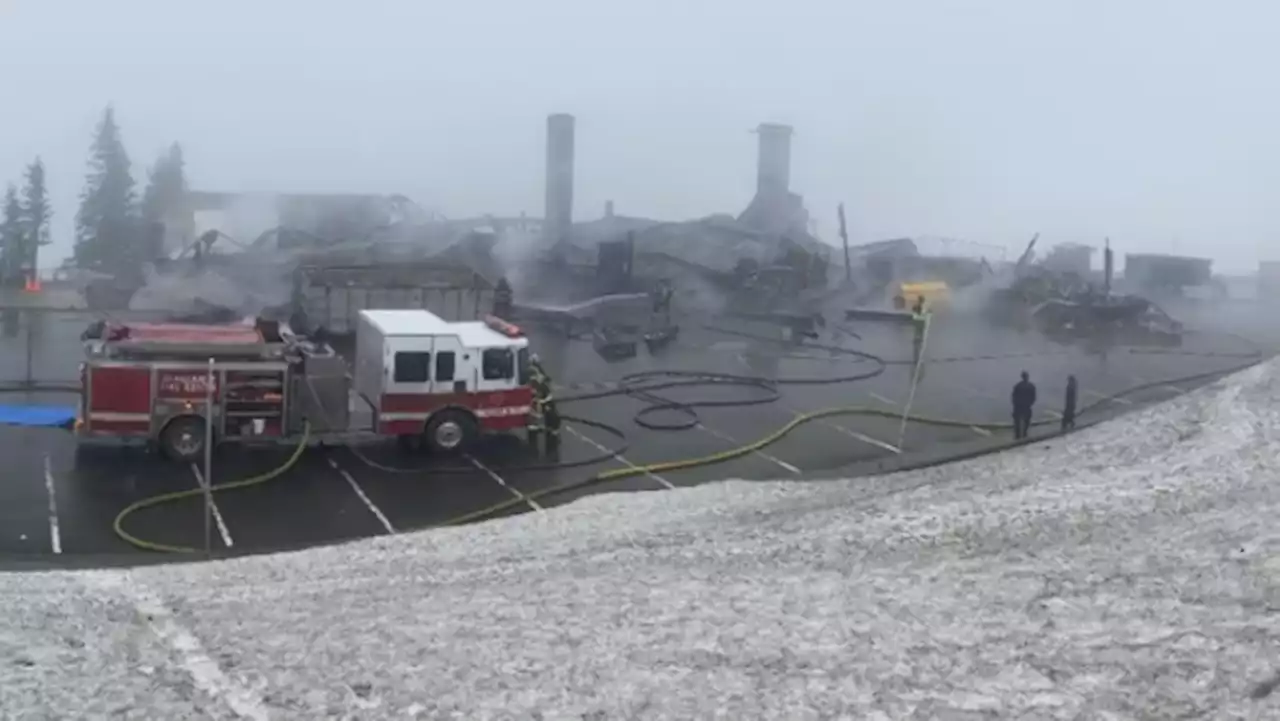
column 166, row 187
column 11, row 237
column 106, row 226
column 36, row 213
column 163, row 201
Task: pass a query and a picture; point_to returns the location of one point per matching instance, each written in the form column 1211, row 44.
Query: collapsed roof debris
column 1067, row 302
column 319, row 230
column 766, row 259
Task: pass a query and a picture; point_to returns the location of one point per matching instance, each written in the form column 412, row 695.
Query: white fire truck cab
column 423, row 377
column 442, row 381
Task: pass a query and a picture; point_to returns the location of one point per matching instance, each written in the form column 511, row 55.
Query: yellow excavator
column 936, row 294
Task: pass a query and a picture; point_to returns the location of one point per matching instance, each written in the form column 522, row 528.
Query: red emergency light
column 508, row 329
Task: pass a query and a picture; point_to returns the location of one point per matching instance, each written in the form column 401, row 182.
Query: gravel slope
column 1131, row 571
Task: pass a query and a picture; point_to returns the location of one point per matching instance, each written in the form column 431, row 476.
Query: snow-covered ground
column 1130, row 571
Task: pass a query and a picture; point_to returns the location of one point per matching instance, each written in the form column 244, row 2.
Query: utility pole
column 1108, row 267
column 844, row 238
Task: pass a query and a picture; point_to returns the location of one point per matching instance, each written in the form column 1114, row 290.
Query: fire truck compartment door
column 449, row 366
column 408, row 364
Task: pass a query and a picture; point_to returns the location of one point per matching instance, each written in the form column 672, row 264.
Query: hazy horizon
column 1149, row 123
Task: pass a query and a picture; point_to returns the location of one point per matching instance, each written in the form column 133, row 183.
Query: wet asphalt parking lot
column 61, row 499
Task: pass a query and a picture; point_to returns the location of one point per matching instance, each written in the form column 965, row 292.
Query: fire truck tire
column 449, row 431
column 182, row 439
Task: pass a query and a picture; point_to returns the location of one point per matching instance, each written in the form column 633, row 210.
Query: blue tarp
column 39, row 416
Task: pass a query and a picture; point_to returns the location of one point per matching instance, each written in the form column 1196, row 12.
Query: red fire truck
column 414, row 375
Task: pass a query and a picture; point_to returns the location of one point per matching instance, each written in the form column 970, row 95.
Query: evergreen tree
column 36, row 213
column 162, row 202
column 166, row 186
column 107, row 232
column 11, row 237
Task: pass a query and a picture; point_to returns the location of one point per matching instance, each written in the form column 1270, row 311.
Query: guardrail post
column 208, row 463
column 30, row 342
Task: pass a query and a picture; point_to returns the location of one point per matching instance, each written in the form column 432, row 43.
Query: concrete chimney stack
column 773, row 164
column 559, row 211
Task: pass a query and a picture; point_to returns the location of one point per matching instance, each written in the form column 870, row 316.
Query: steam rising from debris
column 516, row 252
column 256, row 290
column 245, row 288
column 248, row 217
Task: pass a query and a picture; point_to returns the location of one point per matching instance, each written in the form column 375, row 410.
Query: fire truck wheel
column 449, row 431
column 183, row 439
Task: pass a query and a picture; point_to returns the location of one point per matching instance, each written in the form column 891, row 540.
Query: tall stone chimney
column 559, row 210
column 773, row 164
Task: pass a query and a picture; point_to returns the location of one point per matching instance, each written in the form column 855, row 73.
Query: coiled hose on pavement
column 645, row 386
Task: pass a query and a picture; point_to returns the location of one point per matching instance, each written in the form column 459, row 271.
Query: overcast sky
column 1149, row 121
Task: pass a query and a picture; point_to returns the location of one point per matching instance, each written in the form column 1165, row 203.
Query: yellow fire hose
column 611, row 475
column 146, row 545
column 630, row 471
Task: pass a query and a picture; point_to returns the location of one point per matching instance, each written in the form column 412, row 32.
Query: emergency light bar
column 508, row 329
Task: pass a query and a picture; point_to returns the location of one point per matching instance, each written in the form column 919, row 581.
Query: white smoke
column 516, row 252
column 247, row 287
column 249, row 216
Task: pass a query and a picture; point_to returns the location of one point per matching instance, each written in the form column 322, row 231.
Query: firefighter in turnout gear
column 919, row 322
column 546, row 420
column 662, row 296
column 536, row 371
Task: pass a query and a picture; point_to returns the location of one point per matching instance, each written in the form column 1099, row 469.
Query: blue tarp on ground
column 40, row 416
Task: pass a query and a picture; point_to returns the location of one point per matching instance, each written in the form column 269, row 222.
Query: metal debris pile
column 1070, row 305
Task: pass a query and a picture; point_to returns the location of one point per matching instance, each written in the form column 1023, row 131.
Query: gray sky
column 1151, row 121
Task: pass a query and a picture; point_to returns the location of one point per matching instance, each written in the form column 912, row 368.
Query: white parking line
column 991, row 396
column 217, row 515
column 772, row 459
column 882, row 399
column 621, row 459
column 848, row 432
column 55, row 536
column 889, row 402
column 502, row 482
column 377, row 512
column 1118, row 399
column 186, row 648
column 1165, row 386
column 860, row 436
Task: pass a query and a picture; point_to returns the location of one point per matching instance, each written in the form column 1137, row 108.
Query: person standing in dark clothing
column 1024, row 398
column 503, row 299
column 1069, row 406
